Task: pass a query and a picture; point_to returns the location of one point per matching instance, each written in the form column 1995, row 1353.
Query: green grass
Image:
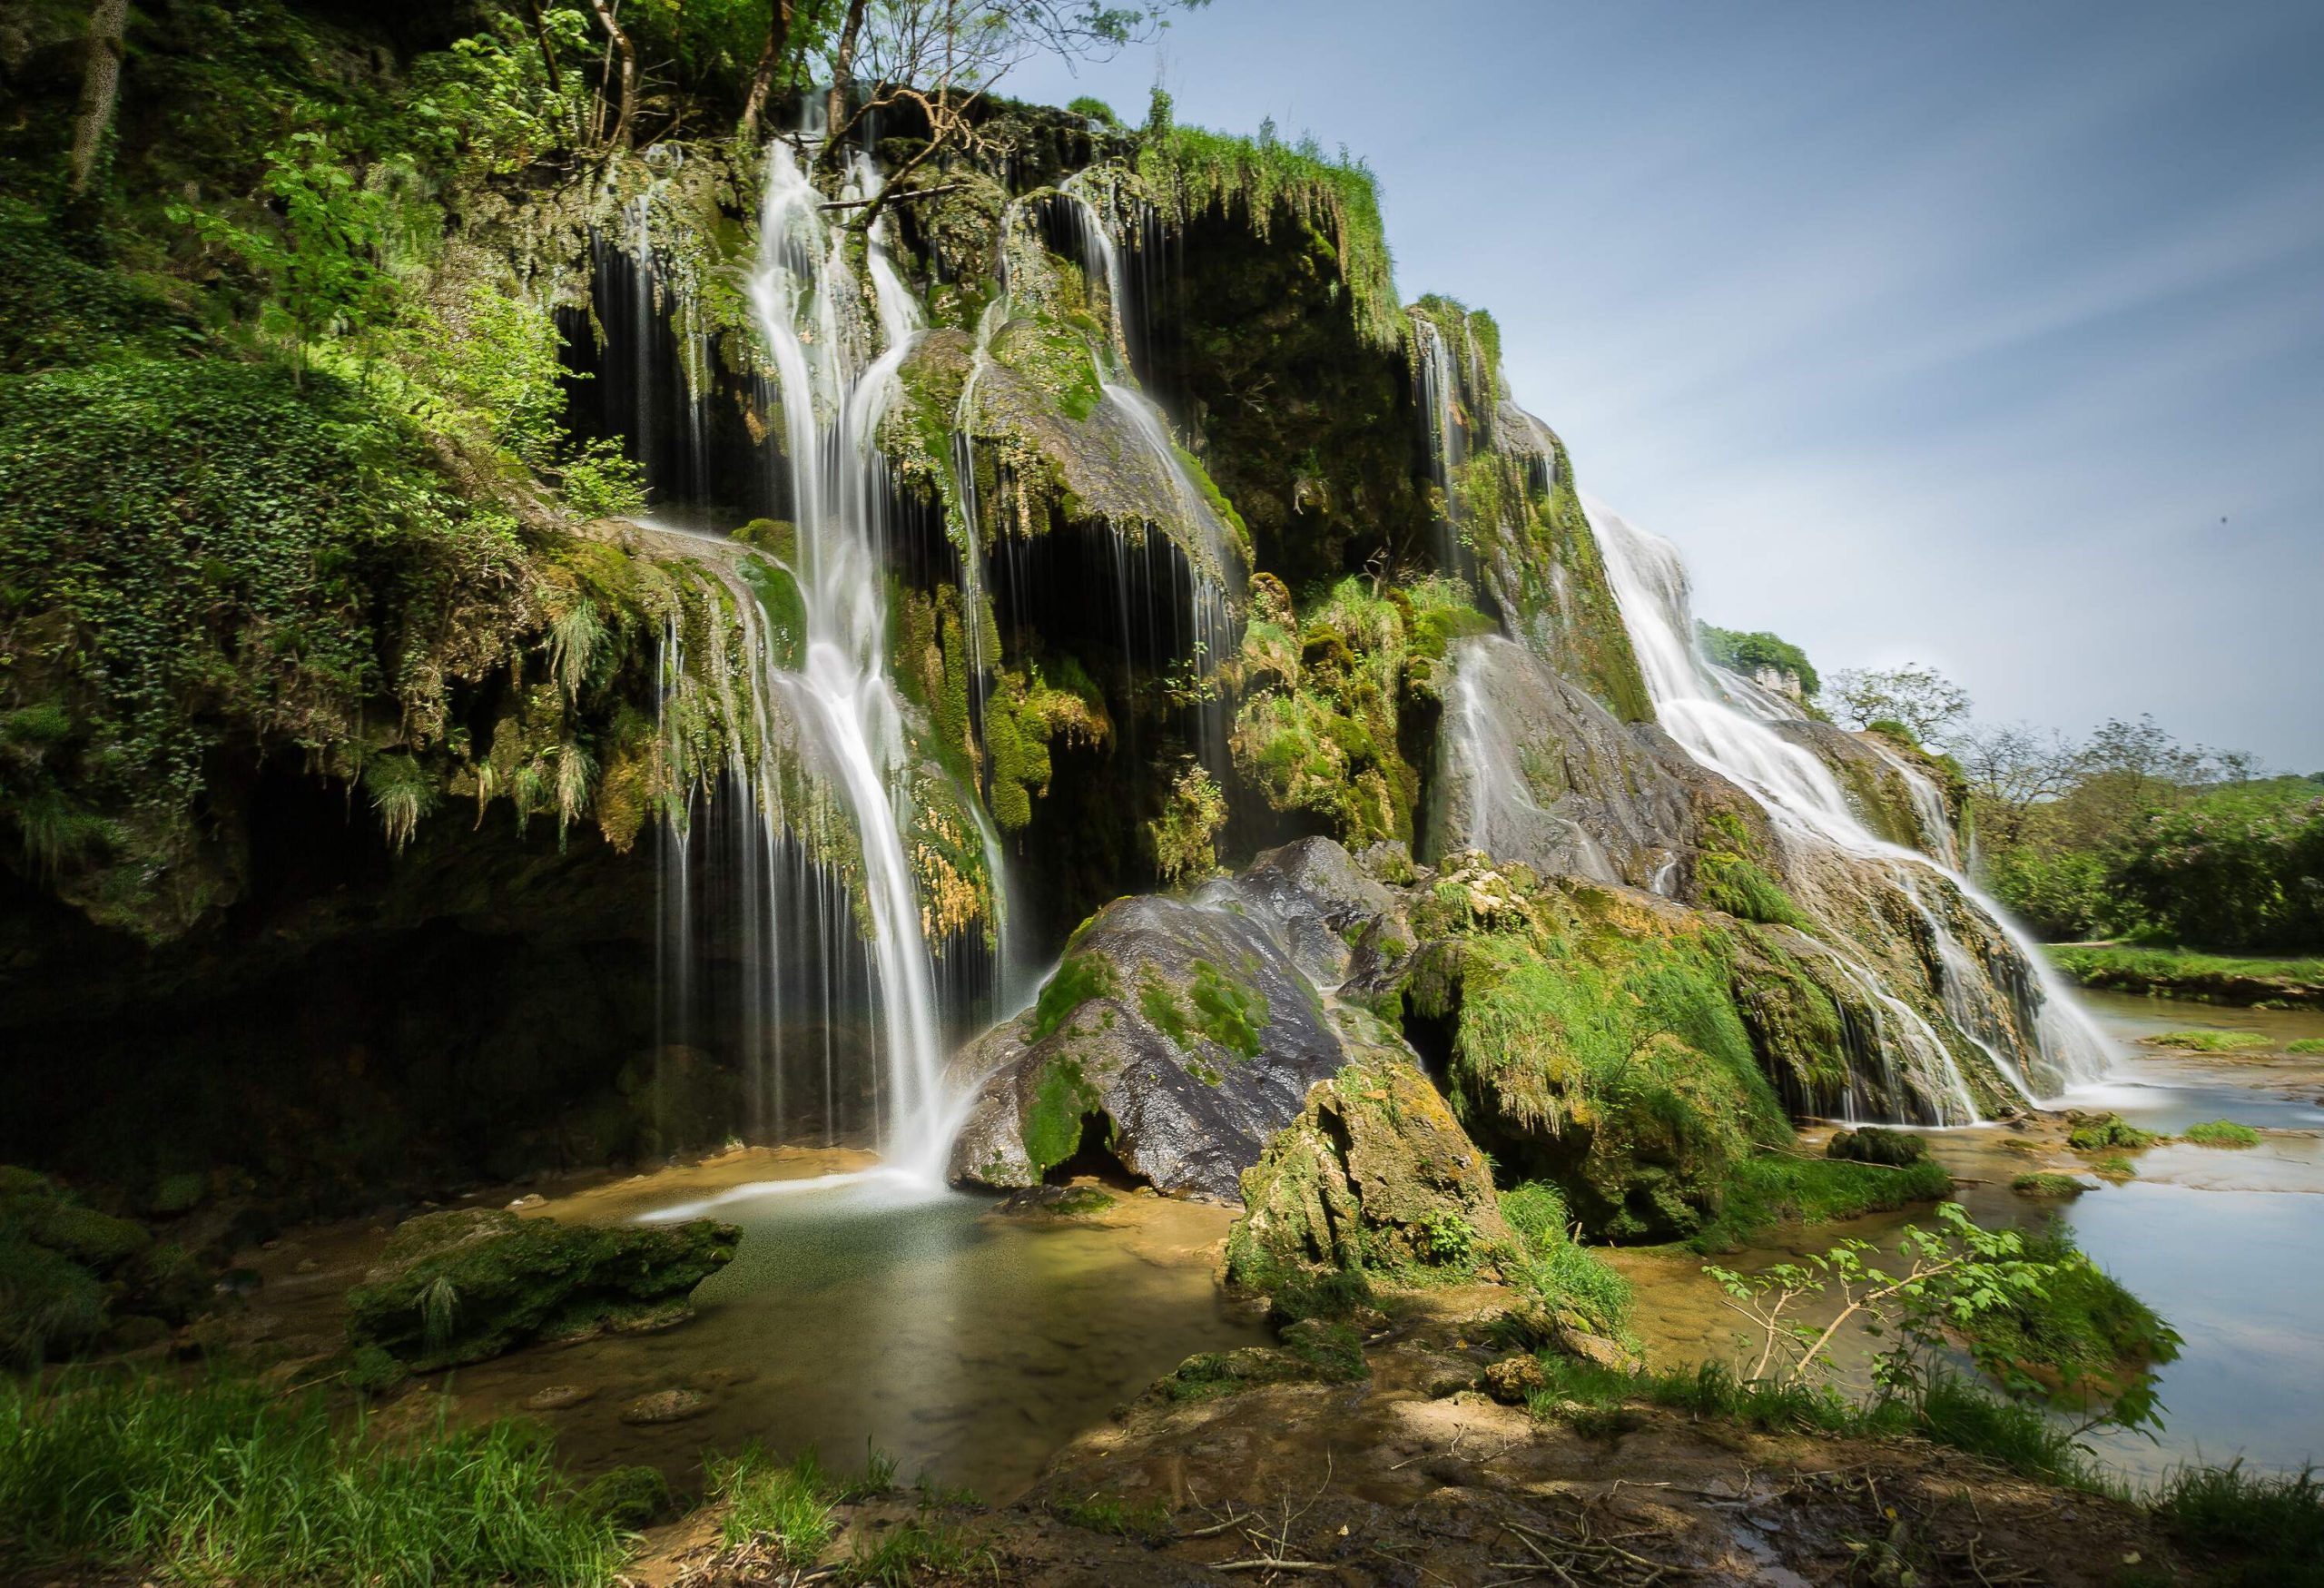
column 2113, row 1165
column 2306, row 1046
column 913, row 1550
column 2226, row 979
column 1558, row 1274
column 1775, row 1189
column 2258, row 1530
column 236, row 1480
column 2221, row 1133
column 2210, row 1041
column 1955, row 1413
column 1105, row 1512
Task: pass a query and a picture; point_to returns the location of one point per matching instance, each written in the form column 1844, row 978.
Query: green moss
column 630, row 1497
column 1078, row 979
column 1062, row 1100
column 785, row 609
column 1227, row 1012
column 2107, row 1133
column 1741, row 889
column 466, row 1284
column 2221, row 1133
column 2046, row 1184
column 1872, row 1144
column 1616, row 1066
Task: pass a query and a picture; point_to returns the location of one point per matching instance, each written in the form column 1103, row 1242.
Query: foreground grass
column 788, row 1510
column 2185, row 972
column 227, row 1480
column 2262, row 1531
column 1955, row 1413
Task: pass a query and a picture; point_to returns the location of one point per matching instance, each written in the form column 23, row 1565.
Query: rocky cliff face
column 1187, row 543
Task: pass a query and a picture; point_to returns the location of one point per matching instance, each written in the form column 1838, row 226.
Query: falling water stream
column 1808, row 808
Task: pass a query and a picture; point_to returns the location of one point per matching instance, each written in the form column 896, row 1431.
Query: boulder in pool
column 468, row 1284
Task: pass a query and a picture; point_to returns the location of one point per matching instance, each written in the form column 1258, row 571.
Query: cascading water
column 1811, row 813
column 1436, row 381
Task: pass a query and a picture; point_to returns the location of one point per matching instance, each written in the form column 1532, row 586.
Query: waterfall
column 1811, row 813
column 840, row 694
column 1436, row 383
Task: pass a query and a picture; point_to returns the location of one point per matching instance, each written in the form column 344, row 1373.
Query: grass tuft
column 2258, row 1528
column 2210, row 1041
column 2221, row 1133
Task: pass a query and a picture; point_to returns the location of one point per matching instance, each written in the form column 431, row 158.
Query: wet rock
column 466, row 1284
column 557, row 1397
column 1176, row 1038
column 665, row 1406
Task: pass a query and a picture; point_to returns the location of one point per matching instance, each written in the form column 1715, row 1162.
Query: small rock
column 665, row 1406
column 1595, row 1349
column 529, row 1199
column 308, row 1265
column 1513, row 1378
column 557, row 1397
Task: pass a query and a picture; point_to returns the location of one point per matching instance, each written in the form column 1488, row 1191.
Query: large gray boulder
column 1178, row 1035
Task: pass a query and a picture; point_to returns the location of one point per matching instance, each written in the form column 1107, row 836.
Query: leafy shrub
column 2238, row 874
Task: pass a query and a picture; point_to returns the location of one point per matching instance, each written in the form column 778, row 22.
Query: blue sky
column 1990, row 336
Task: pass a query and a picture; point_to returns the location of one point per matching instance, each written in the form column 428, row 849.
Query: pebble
column 529, row 1199
column 665, row 1406
column 557, row 1397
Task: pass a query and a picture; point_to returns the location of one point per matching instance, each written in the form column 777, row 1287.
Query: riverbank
column 2169, row 972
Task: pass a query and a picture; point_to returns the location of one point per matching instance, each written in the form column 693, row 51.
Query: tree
column 100, row 87
column 941, row 57
column 2012, row 768
column 626, row 54
column 1919, row 699
column 779, row 16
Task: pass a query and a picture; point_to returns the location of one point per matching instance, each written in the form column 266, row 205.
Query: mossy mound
column 2081, row 1331
column 468, row 1284
column 75, row 1280
column 1872, row 1144
column 1598, row 1046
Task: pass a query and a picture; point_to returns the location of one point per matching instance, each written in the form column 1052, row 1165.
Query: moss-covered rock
column 1375, row 1173
column 73, row 1279
column 468, row 1284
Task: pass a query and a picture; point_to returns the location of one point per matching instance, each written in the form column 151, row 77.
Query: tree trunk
column 778, row 41
column 842, row 64
column 548, row 50
column 100, row 86
column 628, row 55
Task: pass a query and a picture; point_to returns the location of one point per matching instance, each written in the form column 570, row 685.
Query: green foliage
column 70, row 1277
column 1556, row 1274
column 317, row 246
column 237, row 1481
column 200, row 551
column 2256, row 1530
column 2059, row 894
column 2084, row 1336
column 1096, row 110
column 2211, row 1041
column 912, row 1552
column 1872, row 1144
column 1078, row 979
column 2306, row 1045
column 1912, row 704
column 1185, row 836
column 2221, row 1133
column 1747, row 654
column 601, row 482
column 2238, row 874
